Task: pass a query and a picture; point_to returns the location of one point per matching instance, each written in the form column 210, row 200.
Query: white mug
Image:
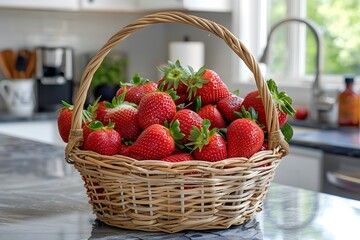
column 19, row 96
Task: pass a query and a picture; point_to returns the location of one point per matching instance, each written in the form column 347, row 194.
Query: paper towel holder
column 189, row 53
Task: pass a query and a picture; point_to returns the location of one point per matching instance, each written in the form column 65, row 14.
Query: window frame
column 251, row 24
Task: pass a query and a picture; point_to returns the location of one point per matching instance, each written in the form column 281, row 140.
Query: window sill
column 299, row 90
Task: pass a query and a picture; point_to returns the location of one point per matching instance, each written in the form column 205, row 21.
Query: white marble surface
column 42, row 197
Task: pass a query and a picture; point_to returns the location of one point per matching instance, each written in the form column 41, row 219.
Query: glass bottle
column 349, row 105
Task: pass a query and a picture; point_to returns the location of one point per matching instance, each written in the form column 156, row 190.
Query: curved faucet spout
column 316, row 90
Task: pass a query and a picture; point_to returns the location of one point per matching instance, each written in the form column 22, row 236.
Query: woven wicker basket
column 154, row 195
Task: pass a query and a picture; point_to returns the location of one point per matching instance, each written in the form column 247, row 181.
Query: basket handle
column 275, row 137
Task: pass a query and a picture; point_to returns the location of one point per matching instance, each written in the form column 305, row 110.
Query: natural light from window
column 338, row 21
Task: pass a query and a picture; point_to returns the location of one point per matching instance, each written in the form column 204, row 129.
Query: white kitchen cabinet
column 120, row 5
column 189, row 5
column 41, row 4
column 109, row 5
column 41, row 131
column 301, row 168
column 156, row 5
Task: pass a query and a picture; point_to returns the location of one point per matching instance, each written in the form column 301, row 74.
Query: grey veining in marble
column 42, row 197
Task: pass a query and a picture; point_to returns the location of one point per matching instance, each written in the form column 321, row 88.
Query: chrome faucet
column 319, row 103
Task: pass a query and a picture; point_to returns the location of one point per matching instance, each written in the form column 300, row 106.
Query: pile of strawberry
column 186, row 115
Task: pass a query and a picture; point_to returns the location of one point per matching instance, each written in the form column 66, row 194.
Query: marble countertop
column 42, row 197
column 38, row 116
column 343, row 141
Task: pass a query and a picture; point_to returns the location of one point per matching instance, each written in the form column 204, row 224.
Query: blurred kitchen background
column 81, row 27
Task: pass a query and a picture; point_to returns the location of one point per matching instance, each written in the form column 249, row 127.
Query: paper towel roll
column 188, row 53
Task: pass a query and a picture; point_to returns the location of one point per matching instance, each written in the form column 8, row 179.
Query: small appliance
column 54, row 77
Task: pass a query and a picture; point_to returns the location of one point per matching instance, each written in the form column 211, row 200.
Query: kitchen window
column 293, row 45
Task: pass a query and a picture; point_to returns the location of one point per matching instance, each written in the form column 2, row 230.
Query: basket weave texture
column 153, row 195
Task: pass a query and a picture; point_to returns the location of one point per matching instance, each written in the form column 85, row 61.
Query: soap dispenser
column 349, row 105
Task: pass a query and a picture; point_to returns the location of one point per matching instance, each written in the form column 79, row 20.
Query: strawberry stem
column 172, row 94
column 66, row 105
column 173, row 75
column 174, row 128
column 136, row 80
column 199, row 137
column 197, row 104
column 87, row 116
column 117, row 101
column 248, row 114
column 94, row 106
column 96, row 125
column 195, row 81
column 281, row 99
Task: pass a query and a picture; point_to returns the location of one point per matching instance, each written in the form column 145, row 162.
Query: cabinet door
column 41, row 4
column 301, row 168
column 109, row 5
column 190, row 5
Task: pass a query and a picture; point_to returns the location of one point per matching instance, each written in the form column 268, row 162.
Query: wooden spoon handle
column 10, row 60
column 4, row 68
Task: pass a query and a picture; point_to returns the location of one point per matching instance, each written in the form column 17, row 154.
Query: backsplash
column 88, row 32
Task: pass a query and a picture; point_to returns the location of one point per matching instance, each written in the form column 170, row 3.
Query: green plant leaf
column 287, row 131
column 112, row 71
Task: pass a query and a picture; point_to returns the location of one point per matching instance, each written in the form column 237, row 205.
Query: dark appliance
column 341, row 176
column 54, row 77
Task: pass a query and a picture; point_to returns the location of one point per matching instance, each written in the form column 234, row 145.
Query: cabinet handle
column 344, row 181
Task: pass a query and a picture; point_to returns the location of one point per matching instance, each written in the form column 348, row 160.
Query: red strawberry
column 264, row 147
column 156, row 142
column 207, row 145
column 125, row 116
column 178, row 157
column 244, row 136
column 124, row 149
column 138, row 88
column 281, row 99
column 64, row 120
column 180, row 150
column 86, row 131
column 187, row 119
column 104, row 139
column 208, row 85
column 182, row 98
column 227, row 106
column 156, row 107
column 301, row 113
column 122, row 89
column 101, row 112
column 212, row 113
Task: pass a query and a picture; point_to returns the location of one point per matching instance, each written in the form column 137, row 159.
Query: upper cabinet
column 41, row 4
column 109, row 5
column 121, row 5
column 189, row 5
